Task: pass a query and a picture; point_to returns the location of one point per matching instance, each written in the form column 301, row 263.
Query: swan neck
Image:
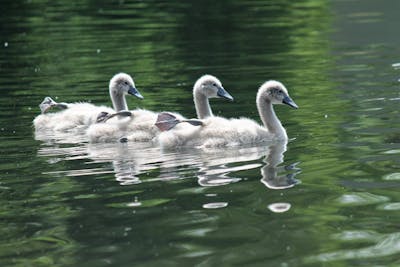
column 270, row 120
column 118, row 101
column 202, row 105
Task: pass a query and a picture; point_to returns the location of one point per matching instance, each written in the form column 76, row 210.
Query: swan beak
column 288, row 101
column 133, row 91
column 224, row 94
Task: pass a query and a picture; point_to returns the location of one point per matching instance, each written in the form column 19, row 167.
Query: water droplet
column 98, row 51
column 5, row 44
column 215, row 205
column 326, row 116
column 279, row 207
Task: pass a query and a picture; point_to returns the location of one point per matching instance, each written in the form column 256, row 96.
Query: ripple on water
column 392, row 151
column 356, row 236
column 390, row 206
column 361, row 198
column 215, row 205
column 392, row 176
column 396, row 66
column 207, row 181
column 386, row 245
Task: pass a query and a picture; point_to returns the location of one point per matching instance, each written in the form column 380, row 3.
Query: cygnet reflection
column 127, row 161
column 218, row 167
column 211, row 168
column 275, row 176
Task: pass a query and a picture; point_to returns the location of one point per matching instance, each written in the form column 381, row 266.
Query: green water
column 327, row 198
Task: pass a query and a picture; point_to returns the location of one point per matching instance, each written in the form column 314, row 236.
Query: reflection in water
column 279, row 207
column 74, row 136
column 218, row 164
column 212, row 168
column 274, row 176
column 127, row 162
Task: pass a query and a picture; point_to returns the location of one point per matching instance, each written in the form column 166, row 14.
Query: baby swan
column 140, row 127
column 217, row 131
column 78, row 115
column 206, row 87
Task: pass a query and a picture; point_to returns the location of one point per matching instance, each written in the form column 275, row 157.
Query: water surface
column 329, row 197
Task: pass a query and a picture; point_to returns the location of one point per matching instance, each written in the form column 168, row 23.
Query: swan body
column 77, row 115
column 219, row 132
column 141, row 127
column 81, row 115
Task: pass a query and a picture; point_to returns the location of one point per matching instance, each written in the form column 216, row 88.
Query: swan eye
column 126, row 83
column 214, row 84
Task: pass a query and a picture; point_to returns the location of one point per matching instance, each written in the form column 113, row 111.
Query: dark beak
column 224, row 94
column 288, row 101
column 133, row 91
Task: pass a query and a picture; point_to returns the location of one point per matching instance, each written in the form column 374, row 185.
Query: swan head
column 275, row 93
column 122, row 84
column 210, row 87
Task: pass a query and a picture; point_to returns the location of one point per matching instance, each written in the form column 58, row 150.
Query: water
column 328, row 197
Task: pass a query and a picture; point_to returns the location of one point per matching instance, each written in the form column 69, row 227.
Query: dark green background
column 81, row 205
